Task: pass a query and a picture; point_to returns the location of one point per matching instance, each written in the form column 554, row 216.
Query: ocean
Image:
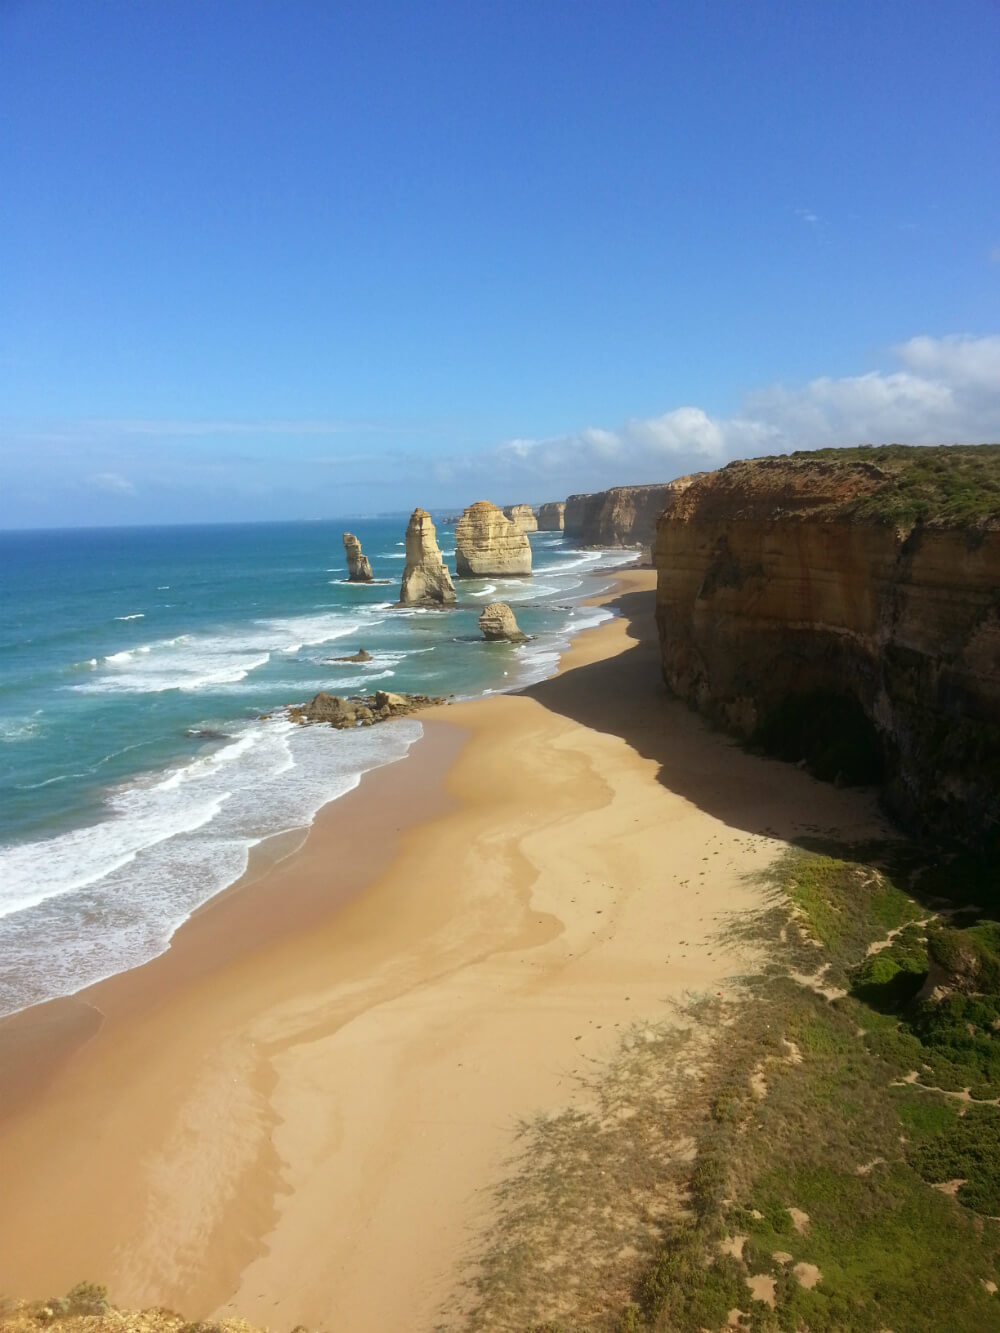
column 136, row 773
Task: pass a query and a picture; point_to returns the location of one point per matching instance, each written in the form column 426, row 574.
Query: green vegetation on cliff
column 942, row 485
column 823, row 1155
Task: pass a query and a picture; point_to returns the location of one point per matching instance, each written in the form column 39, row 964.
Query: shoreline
column 264, row 1130
column 59, row 1025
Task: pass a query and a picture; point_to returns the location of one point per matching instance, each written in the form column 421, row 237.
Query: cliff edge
column 842, row 607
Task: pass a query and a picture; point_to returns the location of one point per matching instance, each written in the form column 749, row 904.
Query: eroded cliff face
column 551, row 515
column 523, row 516
column 791, row 599
column 487, row 544
column 622, row 516
column 575, row 513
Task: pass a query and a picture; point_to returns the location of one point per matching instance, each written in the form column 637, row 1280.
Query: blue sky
column 315, row 258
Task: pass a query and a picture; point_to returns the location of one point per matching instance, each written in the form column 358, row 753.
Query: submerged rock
column 425, row 578
column 359, row 569
column 488, row 545
column 497, row 622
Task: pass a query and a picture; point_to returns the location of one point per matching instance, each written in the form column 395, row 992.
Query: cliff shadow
column 625, row 696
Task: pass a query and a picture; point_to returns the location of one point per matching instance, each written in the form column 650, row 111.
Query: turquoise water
column 135, row 774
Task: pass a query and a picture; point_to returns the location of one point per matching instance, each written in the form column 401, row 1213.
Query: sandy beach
column 298, row 1111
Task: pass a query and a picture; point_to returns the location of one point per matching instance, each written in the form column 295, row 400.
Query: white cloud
column 807, row 216
column 942, row 391
column 112, row 482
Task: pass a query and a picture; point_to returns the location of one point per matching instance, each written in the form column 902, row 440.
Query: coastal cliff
column 625, row 515
column 489, row 544
column 574, row 513
column 843, row 607
column 551, row 515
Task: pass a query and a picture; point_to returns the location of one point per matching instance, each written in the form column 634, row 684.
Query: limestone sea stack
column 358, row 568
column 552, row 516
column 497, row 622
column 523, row 516
column 426, row 580
column 489, row 545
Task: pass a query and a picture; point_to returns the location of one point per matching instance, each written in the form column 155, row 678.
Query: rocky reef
column 425, row 577
column 551, row 516
column 359, row 710
column 359, row 569
column 497, row 621
column 842, row 607
column 523, row 516
column 488, row 544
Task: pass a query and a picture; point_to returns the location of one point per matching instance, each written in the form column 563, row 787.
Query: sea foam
column 115, row 891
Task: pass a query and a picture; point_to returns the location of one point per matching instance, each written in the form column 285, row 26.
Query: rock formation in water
column 358, row 568
column 523, row 516
column 497, row 622
column 489, row 545
column 360, row 710
column 843, row 607
column 551, row 516
column 359, row 656
column 331, row 708
column 426, row 580
column 626, row 515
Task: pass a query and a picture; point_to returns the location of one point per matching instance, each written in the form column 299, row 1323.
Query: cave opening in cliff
column 830, row 732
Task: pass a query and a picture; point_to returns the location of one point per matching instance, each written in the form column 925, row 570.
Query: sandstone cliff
column 488, row 545
column 425, row 577
column 523, row 516
column 551, row 516
column 358, row 568
column 844, row 607
column 626, row 515
column 574, row 513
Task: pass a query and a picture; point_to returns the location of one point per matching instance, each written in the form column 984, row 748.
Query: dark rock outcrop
column 426, row 580
column 497, row 622
column 359, row 710
column 331, row 708
column 358, row 568
column 359, row 656
column 843, row 607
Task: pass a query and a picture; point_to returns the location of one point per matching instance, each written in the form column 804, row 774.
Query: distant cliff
column 550, row 516
column 843, row 607
column 622, row 516
column 574, row 512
